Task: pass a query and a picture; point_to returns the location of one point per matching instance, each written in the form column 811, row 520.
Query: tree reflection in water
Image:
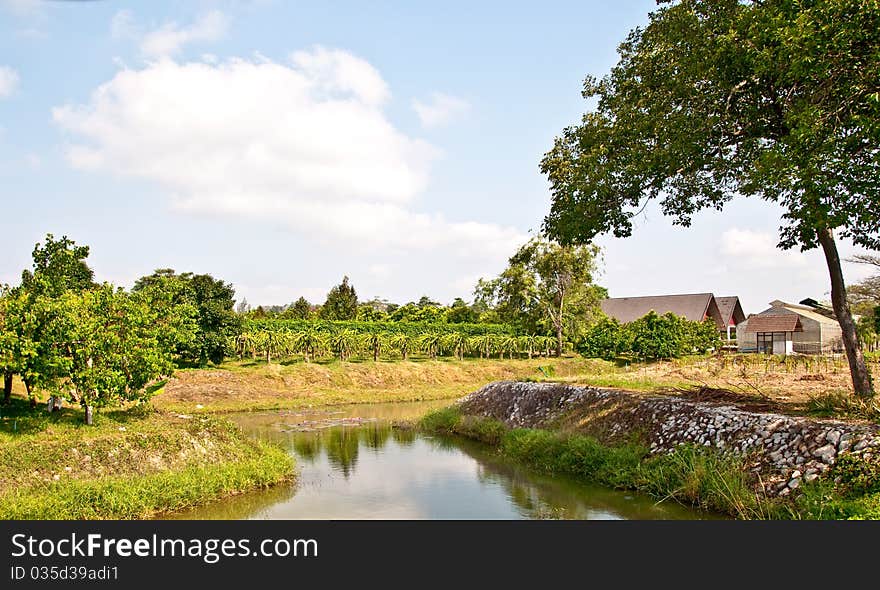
column 341, row 445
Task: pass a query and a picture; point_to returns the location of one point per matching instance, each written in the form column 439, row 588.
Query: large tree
column 546, row 287
column 715, row 99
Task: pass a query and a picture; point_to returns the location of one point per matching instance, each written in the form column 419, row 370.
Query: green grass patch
column 131, row 463
column 133, row 497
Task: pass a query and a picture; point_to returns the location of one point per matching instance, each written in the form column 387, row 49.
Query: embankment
column 129, row 465
column 782, row 452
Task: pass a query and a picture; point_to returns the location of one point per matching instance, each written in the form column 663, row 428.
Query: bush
column 652, row 337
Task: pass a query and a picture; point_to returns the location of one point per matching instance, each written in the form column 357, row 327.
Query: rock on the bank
column 780, row 448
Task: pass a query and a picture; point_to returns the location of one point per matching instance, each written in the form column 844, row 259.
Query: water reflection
column 354, row 465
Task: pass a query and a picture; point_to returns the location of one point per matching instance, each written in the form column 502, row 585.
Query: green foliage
column 604, row 339
column 547, row 288
column 717, row 99
column 650, row 337
column 284, row 339
column 341, row 304
column 139, row 497
column 301, row 310
column 114, row 344
column 462, row 313
column 207, row 301
column 59, row 266
column 857, row 475
column 411, row 328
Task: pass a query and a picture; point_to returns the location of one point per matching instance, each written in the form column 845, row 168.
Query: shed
column 817, row 334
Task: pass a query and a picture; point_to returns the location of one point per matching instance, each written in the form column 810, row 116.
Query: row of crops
column 314, row 340
column 413, row 328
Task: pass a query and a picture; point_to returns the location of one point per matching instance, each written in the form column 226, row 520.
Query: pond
column 353, row 465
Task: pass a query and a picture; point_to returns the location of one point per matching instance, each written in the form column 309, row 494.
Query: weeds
column 837, row 404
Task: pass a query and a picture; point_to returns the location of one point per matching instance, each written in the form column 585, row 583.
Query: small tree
column 301, row 309
column 461, row 313
column 342, row 302
column 115, row 345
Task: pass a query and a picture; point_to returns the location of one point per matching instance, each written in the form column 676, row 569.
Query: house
column 726, row 312
column 732, row 314
column 787, row 328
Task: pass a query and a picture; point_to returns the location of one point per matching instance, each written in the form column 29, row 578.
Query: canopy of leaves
column 715, row 98
column 546, row 286
column 650, row 337
column 115, row 345
column 59, row 266
column 209, row 302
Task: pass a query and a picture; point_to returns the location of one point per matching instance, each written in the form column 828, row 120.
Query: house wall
column 746, row 342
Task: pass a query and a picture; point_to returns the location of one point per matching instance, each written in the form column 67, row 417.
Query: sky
column 280, row 145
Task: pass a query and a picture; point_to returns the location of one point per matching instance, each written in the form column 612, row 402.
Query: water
column 353, row 465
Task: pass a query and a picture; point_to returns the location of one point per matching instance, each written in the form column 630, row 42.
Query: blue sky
column 281, row 145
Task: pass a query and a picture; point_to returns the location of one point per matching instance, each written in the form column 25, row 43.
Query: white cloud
column 8, row 81
column 440, row 110
column 757, row 250
column 339, row 72
column 170, row 38
column 307, row 145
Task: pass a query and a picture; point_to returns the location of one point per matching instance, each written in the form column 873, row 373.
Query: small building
column 726, row 312
column 787, row 328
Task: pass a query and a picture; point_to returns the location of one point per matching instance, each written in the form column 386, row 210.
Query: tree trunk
column 861, row 377
column 7, row 387
column 559, row 340
column 31, row 397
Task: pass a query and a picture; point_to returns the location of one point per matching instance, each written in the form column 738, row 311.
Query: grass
column 134, row 497
column 839, row 405
column 131, row 464
column 691, row 475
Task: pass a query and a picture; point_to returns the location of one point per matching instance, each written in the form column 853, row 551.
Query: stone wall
column 781, row 450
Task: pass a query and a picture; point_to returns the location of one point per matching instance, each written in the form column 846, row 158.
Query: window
column 766, row 340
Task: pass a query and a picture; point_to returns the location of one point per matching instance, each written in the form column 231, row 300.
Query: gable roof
column 802, row 310
column 774, row 322
column 692, row 307
column 730, row 309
